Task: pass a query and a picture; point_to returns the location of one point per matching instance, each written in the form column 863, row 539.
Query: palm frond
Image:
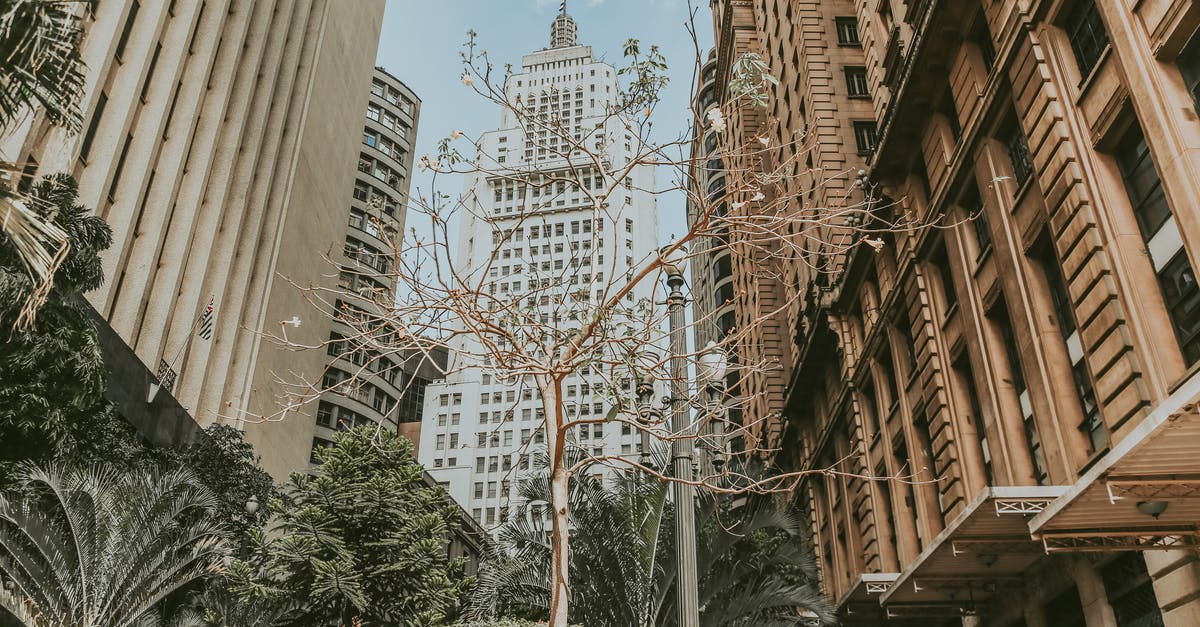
column 622, row 570
column 39, row 59
column 94, row 547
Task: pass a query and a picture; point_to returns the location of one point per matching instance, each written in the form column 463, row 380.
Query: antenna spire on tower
column 563, row 29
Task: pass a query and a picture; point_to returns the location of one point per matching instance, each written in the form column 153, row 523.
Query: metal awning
column 861, row 601
column 983, row 548
column 1157, row 464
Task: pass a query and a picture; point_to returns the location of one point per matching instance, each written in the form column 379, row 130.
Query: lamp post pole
column 681, row 457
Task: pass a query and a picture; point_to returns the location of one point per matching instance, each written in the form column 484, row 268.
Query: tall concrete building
column 1010, row 398
column 533, row 234
column 714, row 312
column 219, row 143
column 392, row 392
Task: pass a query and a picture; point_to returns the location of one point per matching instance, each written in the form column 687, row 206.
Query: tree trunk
column 559, row 545
column 559, row 505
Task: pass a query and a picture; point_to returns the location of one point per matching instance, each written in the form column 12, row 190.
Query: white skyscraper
column 479, row 432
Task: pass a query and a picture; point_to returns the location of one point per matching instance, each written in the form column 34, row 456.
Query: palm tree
column 39, row 59
column 54, row 375
column 39, row 64
column 754, row 568
column 93, row 548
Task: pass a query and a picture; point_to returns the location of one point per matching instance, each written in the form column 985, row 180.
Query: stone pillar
column 1092, row 596
column 1176, row 577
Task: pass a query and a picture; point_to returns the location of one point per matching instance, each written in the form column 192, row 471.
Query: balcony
column 859, row 605
column 983, row 549
column 1144, row 494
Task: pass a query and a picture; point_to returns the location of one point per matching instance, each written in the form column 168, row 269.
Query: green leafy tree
column 361, row 540
column 99, row 548
column 226, row 463
column 52, row 388
column 754, row 567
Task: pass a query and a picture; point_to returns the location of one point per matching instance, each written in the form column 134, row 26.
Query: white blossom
column 466, row 78
column 716, row 119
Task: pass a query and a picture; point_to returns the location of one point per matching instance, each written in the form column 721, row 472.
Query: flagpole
column 156, row 384
column 191, row 332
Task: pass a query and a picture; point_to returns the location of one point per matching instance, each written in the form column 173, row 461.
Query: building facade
column 1008, row 397
column 358, row 388
column 219, row 142
column 817, row 157
column 534, row 235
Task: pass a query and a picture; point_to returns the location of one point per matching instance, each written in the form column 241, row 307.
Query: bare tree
column 592, row 314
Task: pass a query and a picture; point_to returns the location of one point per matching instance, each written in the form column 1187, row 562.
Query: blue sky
column 421, row 40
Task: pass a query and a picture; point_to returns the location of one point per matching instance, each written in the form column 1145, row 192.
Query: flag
column 207, row 319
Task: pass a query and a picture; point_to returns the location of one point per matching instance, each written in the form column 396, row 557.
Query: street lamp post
column 649, row 416
column 681, row 450
column 249, row 519
column 711, row 367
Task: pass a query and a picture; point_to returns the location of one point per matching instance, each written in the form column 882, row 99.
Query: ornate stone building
column 815, row 54
column 999, row 410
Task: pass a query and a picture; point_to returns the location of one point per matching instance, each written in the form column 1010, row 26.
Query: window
column 847, row 31
column 116, row 179
column 940, row 262
column 325, row 412
column 965, row 384
column 1092, row 425
column 1189, row 67
column 1176, row 278
column 1085, row 31
column 1130, row 591
column 981, row 36
column 150, row 72
column 1003, row 325
column 972, row 202
column 864, row 137
column 856, row 82
column 98, row 113
column 1018, row 152
column 126, row 31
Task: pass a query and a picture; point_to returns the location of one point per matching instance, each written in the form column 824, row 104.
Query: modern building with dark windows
column 359, row 388
column 1000, row 413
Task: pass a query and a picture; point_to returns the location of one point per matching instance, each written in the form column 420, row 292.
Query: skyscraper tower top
column 563, row 31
